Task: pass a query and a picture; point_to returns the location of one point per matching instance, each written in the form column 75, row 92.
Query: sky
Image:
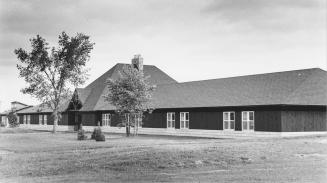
column 188, row 39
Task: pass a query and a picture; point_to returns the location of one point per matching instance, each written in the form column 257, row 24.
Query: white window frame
column 228, row 121
column 45, row 119
column 171, row 118
column 184, row 123
column 247, row 121
column 136, row 117
column 139, row 120
column 40, row 119
column 106, row 119
column 4, row 119
column 28, row 119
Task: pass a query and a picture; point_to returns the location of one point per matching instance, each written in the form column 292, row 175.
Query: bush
column 98, row 135
column 2, row 124
column 81, row 135
column 12, row 119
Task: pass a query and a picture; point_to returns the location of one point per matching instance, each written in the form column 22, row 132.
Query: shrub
column 81, row 135
column 12, row 119
column 98, row 135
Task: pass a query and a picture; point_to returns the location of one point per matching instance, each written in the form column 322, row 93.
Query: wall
column 267, row 118
column 302, row 119
column 89, row 118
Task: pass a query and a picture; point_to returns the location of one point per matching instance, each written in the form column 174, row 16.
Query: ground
column 29, row 156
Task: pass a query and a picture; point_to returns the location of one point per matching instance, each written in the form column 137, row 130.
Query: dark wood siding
column 267, row 120
column 64, row 119
column 238, row 121
column 89, row 119
column 205, row 120
column 50, row 119
column 34, row 119
column 300, row 121
column 157, row 119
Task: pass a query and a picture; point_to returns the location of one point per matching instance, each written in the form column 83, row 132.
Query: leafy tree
column 50, row 72
column 131, row 94
column 12, row 119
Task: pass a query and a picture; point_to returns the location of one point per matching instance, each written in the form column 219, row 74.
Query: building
column 15, row 107
column 291, row 101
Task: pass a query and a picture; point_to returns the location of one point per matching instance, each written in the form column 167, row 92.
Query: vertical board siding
column 238, row 121
column 301, row 121
column 64, row 119
column 205, row 120
column 50, row 119
column 267, row 121
column 155, row 120
column 89, row 119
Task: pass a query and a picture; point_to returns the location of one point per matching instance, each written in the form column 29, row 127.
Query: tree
column 12, row 119
column 51, row 72
column 131, row 94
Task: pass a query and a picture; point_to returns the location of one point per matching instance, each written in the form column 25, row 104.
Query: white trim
column 185, row 122
column 229, row 121
column 171, row 120
column 45, row 119
column 25, row 119
column 246, row 119
column 106, row 119
column 40, row 119
column 28, row 120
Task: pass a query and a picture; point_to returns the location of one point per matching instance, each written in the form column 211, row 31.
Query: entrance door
column 170, row 120
column 229, row 120
column 248, row 121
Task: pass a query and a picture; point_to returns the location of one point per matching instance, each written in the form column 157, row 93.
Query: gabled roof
column 299, row 87
column 44, row 108
column 16, row 110
column 96, row 90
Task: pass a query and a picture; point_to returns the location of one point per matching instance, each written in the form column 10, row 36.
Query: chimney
column 137, row 62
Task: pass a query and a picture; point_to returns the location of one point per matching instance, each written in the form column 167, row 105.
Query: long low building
column 290, row 101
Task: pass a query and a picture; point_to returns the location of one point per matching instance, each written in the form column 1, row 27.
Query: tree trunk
column 55, row 121
column 127, row 126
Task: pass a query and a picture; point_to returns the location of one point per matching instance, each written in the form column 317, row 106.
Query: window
column 185, row 120
column 229, row 120
column 28, row 119
column 138, row 120
column 25, row 119
column 45, row 119
column 170, row 120
column 248, row 120
column 4, row 119
column 40, row 119
column 106, row 118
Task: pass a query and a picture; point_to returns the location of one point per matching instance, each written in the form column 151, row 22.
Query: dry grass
column 40, row 157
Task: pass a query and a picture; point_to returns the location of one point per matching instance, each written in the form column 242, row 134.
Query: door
column 248, row 121
column 229, row 121
column 170, row 120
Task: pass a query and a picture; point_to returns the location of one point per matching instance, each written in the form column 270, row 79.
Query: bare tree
column 50, row 72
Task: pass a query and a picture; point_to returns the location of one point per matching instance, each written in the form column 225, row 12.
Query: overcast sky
column 188, row 39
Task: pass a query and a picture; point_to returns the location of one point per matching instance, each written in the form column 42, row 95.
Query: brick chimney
column 137, row 62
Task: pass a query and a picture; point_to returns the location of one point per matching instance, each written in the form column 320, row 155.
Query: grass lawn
column 27, row 156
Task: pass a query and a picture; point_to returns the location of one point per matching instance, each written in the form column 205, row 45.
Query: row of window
column 228, row 120
column 106, row 119
column 27, row 119
column 43, row 119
